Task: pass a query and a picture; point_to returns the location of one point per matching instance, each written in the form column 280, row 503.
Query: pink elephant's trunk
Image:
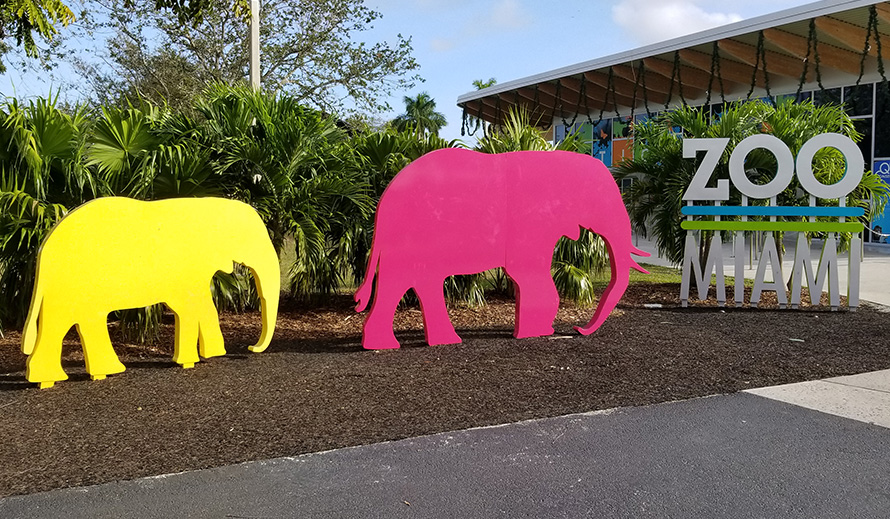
column 621, row 262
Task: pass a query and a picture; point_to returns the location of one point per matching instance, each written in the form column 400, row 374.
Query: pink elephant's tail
column 633, row 264
column 363, row 294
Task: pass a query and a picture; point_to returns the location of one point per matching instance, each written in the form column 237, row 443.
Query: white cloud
column 442, row 44
column 498, row 17
column 509, row 14
column 651, row 21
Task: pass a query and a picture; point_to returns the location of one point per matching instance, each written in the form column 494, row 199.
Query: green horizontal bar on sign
column 701, row 225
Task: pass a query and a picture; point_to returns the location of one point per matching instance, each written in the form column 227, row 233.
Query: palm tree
column 474, row 122
column 381, row 155
column 291, row 163
column 150, row 152
column 661, row 174
column 295, row 166
column 575, row 263
column 420, row 116
column 42, row 177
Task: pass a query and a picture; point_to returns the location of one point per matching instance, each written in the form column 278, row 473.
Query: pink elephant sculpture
column 456, row 211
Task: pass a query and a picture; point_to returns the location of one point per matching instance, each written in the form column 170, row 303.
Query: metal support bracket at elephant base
column 117, row 253
column 760, row 221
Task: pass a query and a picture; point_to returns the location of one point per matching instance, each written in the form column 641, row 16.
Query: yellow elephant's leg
column 45, row 362
column 100, row 358
column 210, row 339
column 185, row 351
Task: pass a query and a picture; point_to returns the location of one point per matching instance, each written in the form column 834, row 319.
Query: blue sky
column 458, row 41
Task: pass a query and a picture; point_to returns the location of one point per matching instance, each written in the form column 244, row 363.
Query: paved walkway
column 864, row 397
column 731, row 456
column 812, row 450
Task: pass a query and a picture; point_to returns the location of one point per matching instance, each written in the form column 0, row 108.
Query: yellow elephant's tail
column 29, row 334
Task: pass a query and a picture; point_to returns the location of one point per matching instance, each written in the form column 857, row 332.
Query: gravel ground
column 316, row 389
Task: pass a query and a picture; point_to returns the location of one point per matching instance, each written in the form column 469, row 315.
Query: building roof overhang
column 820, row 45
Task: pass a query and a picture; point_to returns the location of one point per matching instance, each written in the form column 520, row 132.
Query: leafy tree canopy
column 27, row 22
column 310, row 49
column 22, row 20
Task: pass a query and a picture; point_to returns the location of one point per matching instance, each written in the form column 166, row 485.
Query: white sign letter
column 784, row 172
column 698, row 187
column 852, row 155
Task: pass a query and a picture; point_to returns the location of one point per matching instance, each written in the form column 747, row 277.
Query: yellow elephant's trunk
column 266, row 272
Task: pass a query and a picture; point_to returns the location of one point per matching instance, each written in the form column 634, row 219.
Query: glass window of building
column 858, row 100
column 828, row 96
column 863, row 126
column 882, row 122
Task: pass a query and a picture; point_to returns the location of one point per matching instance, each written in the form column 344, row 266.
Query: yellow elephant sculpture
column 116, row 253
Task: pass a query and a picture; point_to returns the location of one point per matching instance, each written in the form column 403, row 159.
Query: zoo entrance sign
column 770, row 219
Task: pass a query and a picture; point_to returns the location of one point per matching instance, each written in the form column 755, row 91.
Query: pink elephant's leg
column 437, row 325
column 377, row 333
column 537, row 300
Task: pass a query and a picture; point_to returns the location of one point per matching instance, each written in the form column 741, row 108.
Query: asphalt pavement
column 817, row 449
column 730, row 456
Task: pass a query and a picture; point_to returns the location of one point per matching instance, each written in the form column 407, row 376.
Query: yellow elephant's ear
column 117, row 253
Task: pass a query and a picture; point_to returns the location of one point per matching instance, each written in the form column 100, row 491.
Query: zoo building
column 829, row 51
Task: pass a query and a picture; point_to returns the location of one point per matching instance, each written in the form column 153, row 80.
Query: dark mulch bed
column 316, row 389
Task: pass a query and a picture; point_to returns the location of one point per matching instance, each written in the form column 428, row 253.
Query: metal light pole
column 255, row 43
